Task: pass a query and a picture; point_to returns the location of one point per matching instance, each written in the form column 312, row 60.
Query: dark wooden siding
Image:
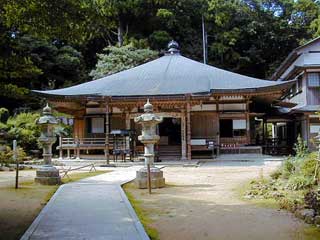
column 204, row 125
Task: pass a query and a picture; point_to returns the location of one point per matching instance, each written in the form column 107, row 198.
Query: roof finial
column 46, row 110
column 173, row 47
column 148, row 107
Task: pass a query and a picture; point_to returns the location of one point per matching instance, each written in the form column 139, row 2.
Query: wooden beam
column 218, row 126
column 188, row 131
column 106, row 151
column 248, row 121
column 183, row 136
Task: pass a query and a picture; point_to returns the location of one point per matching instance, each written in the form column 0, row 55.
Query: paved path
column 93, row 208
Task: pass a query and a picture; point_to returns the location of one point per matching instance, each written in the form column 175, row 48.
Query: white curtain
column 97, row 125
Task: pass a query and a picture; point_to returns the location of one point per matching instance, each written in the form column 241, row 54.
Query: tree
column 116, row 59
column 23, row 128
column 252, row 37
column 65, row 20
column 28, row 63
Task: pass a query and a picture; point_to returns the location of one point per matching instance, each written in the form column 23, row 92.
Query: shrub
column 288, row 167
column 301, row 148
column 308, row 165
column 298, row 182
column 24, row 129
column 6, row 156
column 290, row 204
column 312, row 200
column 276, row 174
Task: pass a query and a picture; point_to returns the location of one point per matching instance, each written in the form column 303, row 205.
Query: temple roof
column 171, row 74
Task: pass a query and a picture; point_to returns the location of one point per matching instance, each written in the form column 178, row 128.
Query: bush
column 6, row 156
column 298, row 182
column 308, row 165
column 288, row 167
column 24, row 129
column 276, row 174
column 312, row 200
column 301, row 148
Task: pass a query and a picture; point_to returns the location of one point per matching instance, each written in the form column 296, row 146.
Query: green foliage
column 116, row 59
column 276, row 174
column 308, row 165
column 159, row 39
column 288, row 167
column 29, row 63
column 51, row 44
column 6, row 156
column 23, row 128
column 4, row 113
column 301, row 147
column 68, row 20
column 298, row 182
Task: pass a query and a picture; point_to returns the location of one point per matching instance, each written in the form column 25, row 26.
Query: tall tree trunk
column 120, row 32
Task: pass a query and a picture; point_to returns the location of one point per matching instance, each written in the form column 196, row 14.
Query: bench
column 204, row 145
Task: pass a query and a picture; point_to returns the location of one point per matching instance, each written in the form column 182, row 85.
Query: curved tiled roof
column 171, row 74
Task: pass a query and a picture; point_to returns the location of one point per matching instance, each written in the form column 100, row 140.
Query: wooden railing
column 83, row 141
column 77, row 144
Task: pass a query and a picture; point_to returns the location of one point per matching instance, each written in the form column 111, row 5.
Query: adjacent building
column 302, row 102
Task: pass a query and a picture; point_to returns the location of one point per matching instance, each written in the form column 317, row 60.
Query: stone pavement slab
column 93, row 208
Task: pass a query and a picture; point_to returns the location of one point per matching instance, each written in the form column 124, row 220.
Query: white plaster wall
column 234, row 106
column 203, row 107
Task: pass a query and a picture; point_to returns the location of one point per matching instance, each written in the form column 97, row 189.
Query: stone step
column 170, row 158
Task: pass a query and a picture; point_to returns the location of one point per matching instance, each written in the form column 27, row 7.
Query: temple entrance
column 169, row 147
column 170, row 131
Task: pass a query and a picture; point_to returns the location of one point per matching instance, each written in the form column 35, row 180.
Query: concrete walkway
column 93, row 208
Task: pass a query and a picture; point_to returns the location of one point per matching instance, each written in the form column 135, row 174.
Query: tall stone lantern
column 47, row 174
column 149, row 138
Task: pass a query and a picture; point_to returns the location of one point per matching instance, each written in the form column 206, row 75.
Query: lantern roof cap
column 47, row 117
column 148, row 107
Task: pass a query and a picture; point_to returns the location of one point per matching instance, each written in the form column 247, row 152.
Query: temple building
column 204, row 107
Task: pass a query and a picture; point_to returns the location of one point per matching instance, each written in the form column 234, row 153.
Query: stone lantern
column 47, row 174
column 149, row 138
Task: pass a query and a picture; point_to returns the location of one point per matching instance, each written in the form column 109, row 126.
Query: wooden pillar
column 263, row 132
column 77, row 148
column 128, row 123
column 308, row 130
column 218, row 126
column 183, row 137
column 68, row 153
column 128, row 127
column 188, row 131
column 60, row 148
column 106, row 151
column 248, row 121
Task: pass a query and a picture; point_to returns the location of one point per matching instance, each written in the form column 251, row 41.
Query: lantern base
column 157, row 179
column 48, row 175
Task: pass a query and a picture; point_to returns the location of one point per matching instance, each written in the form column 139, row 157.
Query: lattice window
column 314, row 79
column 97, row 125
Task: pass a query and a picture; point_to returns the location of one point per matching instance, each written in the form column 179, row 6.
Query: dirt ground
column 204, row 203
column 19, row 207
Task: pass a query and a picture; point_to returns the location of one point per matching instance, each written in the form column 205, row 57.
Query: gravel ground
column 203, row 203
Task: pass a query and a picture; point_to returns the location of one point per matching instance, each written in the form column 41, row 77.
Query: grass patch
column 311, row 233
column 266, row 203
column 19, row 207
column 142, row 213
